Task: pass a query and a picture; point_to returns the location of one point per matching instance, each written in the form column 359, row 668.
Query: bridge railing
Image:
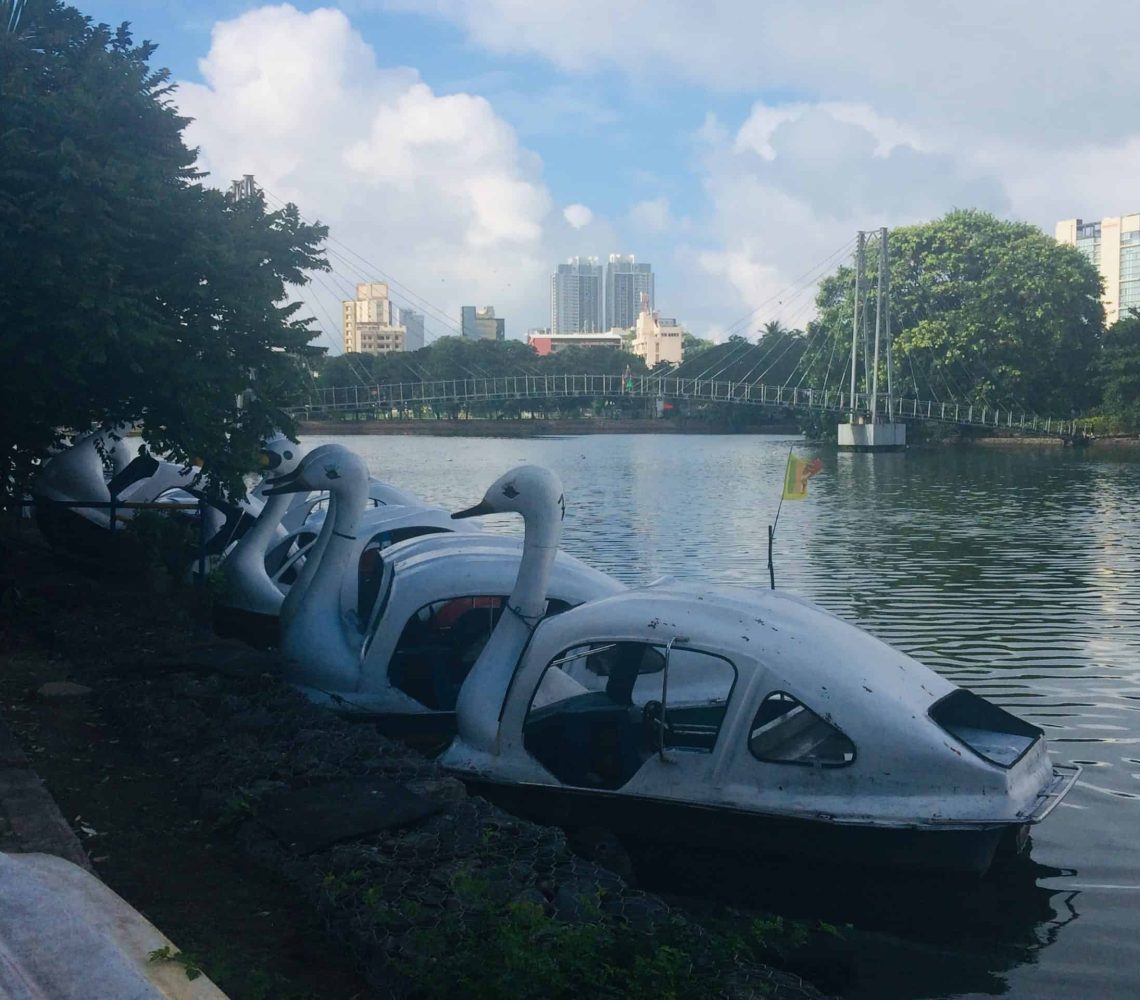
column 404, row 396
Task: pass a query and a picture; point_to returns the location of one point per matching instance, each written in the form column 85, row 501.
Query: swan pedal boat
column 743, row 720
column 391, row 632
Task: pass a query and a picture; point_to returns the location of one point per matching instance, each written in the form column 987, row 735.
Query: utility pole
column 885, row 274
column 855, row 315
column 875, row 434
column 878, row 328
column 245, row 188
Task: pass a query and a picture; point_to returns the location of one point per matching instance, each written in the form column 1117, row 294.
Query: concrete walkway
column 63, row 934
column 30, row 821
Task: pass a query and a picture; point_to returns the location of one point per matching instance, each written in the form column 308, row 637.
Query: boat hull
column 640, row 821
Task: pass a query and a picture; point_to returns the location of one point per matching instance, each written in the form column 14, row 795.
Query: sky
column 461, row 149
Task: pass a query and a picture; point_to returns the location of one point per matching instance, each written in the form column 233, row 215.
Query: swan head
column 279, row 456
column 529, row 490
column 330, row 467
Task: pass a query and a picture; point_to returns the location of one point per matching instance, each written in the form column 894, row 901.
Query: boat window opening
column 440, row 643
column 785, row 731
column 370, row 568
column 991, row 732
column 594, row 718
column 285, row 561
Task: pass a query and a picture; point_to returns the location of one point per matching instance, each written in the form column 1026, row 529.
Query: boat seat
column 798, row 736
column 420, row 671
column 587, row 740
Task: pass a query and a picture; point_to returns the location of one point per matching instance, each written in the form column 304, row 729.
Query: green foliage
column 692, row 346
column 153, row 540
column 522, row 951
column 168, row 954
column 130, row 291
column 981, row 309
column 1118, row 376
column 456, row 358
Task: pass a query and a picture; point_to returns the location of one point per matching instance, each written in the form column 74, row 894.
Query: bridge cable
column 414, row 299
column 821, row 265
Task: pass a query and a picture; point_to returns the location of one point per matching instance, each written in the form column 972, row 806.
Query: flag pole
column 772, row 526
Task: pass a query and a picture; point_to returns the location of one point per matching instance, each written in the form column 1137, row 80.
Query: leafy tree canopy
column 1118, row 371
column 131, row 292
column 692, row 346
column 981, row 309
column 457, row 358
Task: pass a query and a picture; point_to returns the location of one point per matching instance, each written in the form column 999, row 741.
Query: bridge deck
column 453, row 392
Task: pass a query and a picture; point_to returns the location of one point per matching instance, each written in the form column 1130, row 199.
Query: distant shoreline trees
column 982, row 310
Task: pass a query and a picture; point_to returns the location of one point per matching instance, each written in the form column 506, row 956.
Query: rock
column 440, row 789
column 63, row 691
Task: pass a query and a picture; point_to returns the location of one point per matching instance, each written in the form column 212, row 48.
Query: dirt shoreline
column 173, row 759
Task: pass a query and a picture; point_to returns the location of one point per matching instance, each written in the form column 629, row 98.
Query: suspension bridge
column 415, row 398
column 794, row 372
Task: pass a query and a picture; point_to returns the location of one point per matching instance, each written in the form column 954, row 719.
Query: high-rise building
column 1113, row 245
column 657, row 339
column 626, row 282
column 372, row 323
column 413, row 324
column 576, row 302
column 480, row 323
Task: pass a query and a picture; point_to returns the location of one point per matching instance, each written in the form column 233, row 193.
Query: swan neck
column 481, row 697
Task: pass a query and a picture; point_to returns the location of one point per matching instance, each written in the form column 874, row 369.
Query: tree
column 131, row 292
column 981, row 309
column 1118, row 372
column 692, row 346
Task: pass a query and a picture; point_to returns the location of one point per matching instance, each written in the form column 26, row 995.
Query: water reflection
column 902, row 936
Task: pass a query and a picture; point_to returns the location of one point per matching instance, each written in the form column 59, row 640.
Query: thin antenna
column 772, row 526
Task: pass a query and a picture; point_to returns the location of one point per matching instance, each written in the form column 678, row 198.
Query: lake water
column 1015, row 573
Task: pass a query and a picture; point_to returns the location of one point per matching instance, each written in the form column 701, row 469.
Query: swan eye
column 288, row 456
column 331, row 473
column 509, row 491
column 562, row 504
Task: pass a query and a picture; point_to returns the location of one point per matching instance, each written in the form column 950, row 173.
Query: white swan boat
column 267, row 564
column 392, row 632
column 739, row 719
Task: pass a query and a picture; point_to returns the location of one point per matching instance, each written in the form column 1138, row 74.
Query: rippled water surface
column 1015, row 573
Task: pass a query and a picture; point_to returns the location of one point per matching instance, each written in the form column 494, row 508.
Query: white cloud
column 577, row 215
column 899, row 112
column 433, row 189
column 651, row 215
column 1019, row 66
column 895, row 113
column 793, row 184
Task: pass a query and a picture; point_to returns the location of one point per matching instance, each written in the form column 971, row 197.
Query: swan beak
column 268, row 460
column 290, row 483
column 479, row 508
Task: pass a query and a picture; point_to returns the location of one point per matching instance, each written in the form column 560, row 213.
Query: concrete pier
column 872, row 437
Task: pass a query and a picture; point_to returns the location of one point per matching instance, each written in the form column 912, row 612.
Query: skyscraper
column 373, row 325
column 413, row 323
column 576, row 304
column 626, row 282
column 480, row 323
column 1113, row 245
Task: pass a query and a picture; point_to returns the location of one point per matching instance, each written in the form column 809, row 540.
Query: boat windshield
column 990, row 732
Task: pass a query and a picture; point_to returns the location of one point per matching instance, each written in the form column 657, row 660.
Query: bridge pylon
column 875, row 428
